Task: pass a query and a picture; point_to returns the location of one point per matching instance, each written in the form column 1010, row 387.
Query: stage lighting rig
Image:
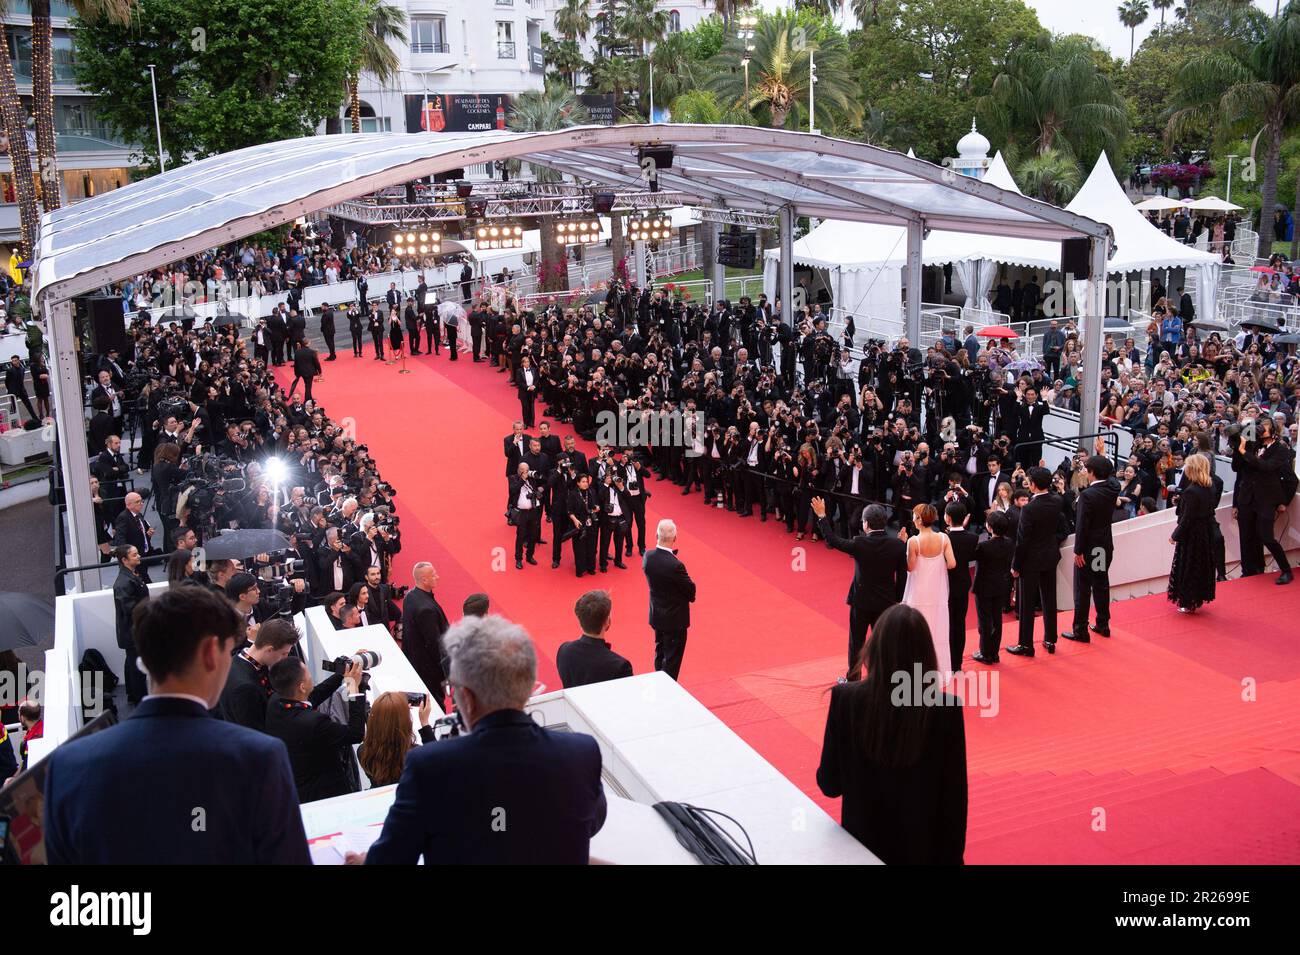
column 603, row 202
column 499, row 235
column 649, row 227
column 584, row 231
column 412, row 240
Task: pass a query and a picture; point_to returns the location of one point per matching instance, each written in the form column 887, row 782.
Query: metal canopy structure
column 214, row 201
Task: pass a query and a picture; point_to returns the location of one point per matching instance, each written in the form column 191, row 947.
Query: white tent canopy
column 1158, row 204
column 1213, row 204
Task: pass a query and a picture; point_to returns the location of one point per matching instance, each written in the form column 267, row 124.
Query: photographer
column 523, row 509
column 390, row 734
column 248, row 685
column 320, row 749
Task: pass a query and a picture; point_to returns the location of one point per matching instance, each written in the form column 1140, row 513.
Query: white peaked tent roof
column 1138, row 244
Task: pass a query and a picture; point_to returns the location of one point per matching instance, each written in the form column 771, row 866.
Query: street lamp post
column 157, row 121
column 1228, row 196
column 746, row 23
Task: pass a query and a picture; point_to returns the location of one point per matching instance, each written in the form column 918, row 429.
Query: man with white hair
column 671, row 594
column 509, row 791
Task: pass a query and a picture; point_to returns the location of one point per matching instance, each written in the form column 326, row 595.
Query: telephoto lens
column 368, row 659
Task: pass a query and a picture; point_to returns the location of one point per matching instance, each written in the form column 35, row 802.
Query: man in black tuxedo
column 423, row 627
column 112, row 470
column 524, row 505
column 984, row 489
column 671, row 594
column 1029, row 432
column 1038, row 551
column 879, row 573
column 327, row 329
column 320, row 748
column 1094, row 548
column 1259, row 496
column 589, row 659
column 132, row 530
column 515, row 446
column 248, row 685
column 964, row 543
column 278, row 329
column 393, row 298
column 306, row 366
column 129, row 591
column 992, row 583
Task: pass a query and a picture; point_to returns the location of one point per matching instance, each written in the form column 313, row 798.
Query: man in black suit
column 524, row 505
column 992, row 583
column 1094, row 549
column 393, row 298
column 16, row 386
column 515, row 446
column 879, row 573
column 589, row 659
column 248, row 685
column 278, row 329
column 984, row 489
column 240, row 778
column 132, row 530
column 129, row 591
column 1259, row 497
column 306, row 366
column 112, row 470
column 964, row 543
column 671, row 594
column 615, row 519
column 327, row 329
column 423, row 627
column 319, row 747
column 297, row 325
column 506, row 792
column 1038, row 551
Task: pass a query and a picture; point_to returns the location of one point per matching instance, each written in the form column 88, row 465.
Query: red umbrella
column 1263, row 268
column 997, row 331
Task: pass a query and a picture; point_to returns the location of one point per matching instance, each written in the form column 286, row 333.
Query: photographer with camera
column 248, row 685
column 320, row 749
column 390, row 735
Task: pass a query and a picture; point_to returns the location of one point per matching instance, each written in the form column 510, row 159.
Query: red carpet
column 1176, row 741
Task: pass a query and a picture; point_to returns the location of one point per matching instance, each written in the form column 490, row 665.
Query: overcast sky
column 1098, row 18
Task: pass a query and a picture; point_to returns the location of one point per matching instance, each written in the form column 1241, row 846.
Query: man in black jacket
column 964, row 543
column 423, row 627
column 1038, row 551
column 319, row 748
column 248, row 684
column 879, row 573
column 589, row 659
column 327, row 329
column 306, row 366
column 992, row 583
column 129, row 591
column 1258, row 498
column 1094, row 549
column 671, row 594
column 615, row 519
column 524, row 506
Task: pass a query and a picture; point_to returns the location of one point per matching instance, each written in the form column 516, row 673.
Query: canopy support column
column 717, row 270
column 70, row 429
column 640, row 273
column 785, row 285
column 912, row 279
column 1093, row 335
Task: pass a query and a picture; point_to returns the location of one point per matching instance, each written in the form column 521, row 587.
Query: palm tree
column 779, row 73
column 1246, row 86
column 1051, row 94
column 1052, row 176
column 614, row 74
column 555, row 107
column 563, row 56
column 1133, row 13
column 642, row 22
column 384, row 22
column 116, row 11
column 572, row 20
column 15, row 128
column 1162, row 6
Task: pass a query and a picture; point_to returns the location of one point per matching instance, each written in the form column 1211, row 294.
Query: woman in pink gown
column 929, row 558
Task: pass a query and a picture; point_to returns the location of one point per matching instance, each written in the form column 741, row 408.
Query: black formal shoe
column 519, row 565
column 1077, row 638
column 604, row 570
column 1050, row 647
column 541, row 540
column 1019, row 651
column 579, row 573
column 981, row 658
column 620, row 565
column 686, row 491
column 1284, row 577
column 1102, row 631
column 1221, row 578
column 641, row 552
column 531, row 561
column 555, row 565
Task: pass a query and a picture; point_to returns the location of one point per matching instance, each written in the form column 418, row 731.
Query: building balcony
column 505, row 50
column 431, row 57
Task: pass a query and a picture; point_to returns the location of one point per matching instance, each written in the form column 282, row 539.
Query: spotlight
column 476, row 207
column 649, row 227
column 578, row 231
column 464, row 189
column 603, row 202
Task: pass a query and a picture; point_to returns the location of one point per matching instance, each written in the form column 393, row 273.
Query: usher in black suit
column 1038, row 551
column 879, row 576
column 1093, row 542
column 589, row 660
column 671, row 594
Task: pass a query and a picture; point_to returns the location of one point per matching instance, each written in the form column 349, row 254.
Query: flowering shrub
column 1181, row 176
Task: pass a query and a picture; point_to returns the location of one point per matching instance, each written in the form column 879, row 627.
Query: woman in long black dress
column 1191, row 578
column 395, row 337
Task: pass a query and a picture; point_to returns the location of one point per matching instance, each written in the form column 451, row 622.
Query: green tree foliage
column 1149, row 84
column 231, row 73
column 925, row 63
